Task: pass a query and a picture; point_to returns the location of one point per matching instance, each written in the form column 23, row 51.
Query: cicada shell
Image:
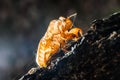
column 58, row 32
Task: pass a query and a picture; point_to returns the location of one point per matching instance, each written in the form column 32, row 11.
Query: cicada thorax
column 60, row 25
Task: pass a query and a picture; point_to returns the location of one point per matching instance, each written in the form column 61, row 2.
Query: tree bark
column 95, row 56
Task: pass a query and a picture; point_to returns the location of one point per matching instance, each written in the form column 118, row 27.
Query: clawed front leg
column 73, row 34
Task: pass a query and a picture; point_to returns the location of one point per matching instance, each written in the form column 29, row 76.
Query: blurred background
column 24, row 22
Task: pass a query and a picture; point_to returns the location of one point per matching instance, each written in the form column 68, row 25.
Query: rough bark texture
column 96, row 56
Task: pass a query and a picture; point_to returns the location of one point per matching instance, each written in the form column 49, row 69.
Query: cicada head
column 66, row 24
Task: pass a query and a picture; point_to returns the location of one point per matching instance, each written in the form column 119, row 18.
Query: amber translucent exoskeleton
column 58, row 32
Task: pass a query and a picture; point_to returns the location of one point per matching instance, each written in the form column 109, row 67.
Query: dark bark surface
column 96, row 56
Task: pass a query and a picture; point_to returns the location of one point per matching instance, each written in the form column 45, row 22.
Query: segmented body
column 55, row 37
